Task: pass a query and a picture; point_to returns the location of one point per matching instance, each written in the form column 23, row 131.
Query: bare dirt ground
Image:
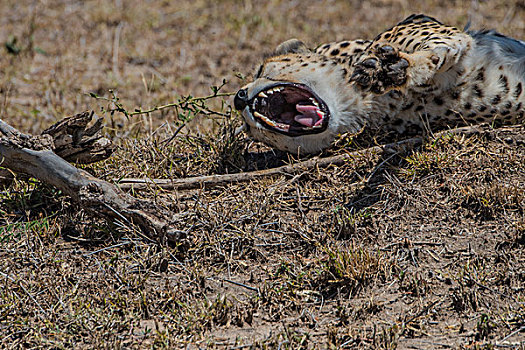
column 427, row 253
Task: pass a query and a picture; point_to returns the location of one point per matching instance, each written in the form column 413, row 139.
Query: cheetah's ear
column 291, row 46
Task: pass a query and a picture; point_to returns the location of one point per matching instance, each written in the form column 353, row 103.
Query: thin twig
column 215, row 180
column 388, row 246
column 116, row 45
column 513, row 333
column 242, row 285
column 470, row 279
column 168, row 140
column 178, row 104
column 425, row 309
column 108, row 248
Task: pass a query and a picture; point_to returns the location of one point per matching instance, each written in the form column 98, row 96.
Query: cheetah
column 419, row 75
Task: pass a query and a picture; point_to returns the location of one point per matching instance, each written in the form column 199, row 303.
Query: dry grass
column 428, row 254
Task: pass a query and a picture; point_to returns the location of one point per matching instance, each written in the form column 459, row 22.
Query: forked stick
column 33, row 156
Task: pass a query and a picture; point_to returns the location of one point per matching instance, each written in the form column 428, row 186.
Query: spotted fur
column 418, row 74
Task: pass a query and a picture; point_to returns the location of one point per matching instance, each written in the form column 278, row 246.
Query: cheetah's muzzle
column 290, row 108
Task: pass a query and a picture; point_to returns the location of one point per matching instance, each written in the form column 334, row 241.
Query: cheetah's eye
column 290, row 108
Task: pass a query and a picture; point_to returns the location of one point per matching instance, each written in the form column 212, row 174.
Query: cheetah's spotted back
column 418, row 74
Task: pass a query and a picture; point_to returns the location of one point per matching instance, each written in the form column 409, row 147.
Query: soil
column 420, row 250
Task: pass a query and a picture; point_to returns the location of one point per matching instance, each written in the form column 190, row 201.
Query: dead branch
column 34, row 156
column 74, row 141
column 401, row 147
column 70, row 138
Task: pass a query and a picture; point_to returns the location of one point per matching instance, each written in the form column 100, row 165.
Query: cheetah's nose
column 241, row 99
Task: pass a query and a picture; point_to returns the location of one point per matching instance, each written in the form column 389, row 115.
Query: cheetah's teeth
column 265, row 119
column 270, row 122
column 276, row 89
column 310, row 113
column 259, row 115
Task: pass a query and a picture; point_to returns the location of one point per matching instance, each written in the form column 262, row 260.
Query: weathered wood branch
column 70, row 138
column 77, row 142
column 401, row 147
column 34, row 156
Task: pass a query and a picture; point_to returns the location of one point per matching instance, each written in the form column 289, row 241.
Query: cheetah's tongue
column 309, row 115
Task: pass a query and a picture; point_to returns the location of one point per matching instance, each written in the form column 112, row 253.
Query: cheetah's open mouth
column 290, row 108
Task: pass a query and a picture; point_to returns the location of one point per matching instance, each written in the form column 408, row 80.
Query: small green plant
column 425, row 162
column 346, row 221
column 160, row 154
column 14, row 231
column 25, row 44
column 350, row 269
column 185, row 108
column 12, row 46
column 484, row 327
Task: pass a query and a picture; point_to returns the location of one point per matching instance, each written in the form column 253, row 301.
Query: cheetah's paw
column 381, row 70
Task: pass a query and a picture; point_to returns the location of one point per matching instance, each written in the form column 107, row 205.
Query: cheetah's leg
column 409, row 55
